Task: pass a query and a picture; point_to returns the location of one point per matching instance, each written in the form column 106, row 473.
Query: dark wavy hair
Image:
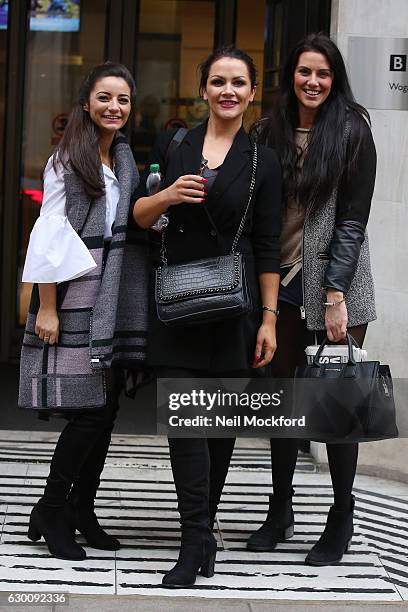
column 78, row 149
column 225, row 51
column 325, row 157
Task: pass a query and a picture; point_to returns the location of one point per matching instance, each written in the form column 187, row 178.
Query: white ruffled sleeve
column 55, row 252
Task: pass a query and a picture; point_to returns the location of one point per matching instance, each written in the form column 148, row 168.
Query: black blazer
column 208, row 229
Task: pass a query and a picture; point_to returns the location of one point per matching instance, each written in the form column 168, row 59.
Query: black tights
column 292, row 339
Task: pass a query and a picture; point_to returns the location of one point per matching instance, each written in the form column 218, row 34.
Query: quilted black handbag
column 345, row 402
column 205, row 290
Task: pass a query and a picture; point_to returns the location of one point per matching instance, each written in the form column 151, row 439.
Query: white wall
column 387, row 338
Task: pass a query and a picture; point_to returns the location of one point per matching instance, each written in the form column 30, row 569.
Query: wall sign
column 379, row 72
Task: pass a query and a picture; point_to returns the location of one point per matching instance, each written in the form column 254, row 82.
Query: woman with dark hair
column 205, row 209
column 328, row 159
column 82, row 259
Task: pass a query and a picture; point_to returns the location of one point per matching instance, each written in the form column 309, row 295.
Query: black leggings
column 292, row 339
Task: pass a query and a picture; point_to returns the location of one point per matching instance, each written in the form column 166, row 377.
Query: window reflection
column 250, row 38
column 174, row 38
column 273, row 46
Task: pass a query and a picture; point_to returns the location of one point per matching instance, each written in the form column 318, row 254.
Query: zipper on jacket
column 302, row 307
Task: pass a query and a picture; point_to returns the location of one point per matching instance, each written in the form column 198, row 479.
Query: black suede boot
column 278, row 526
column 81, row 499
column 51, row 523
column 335, row 539
column 83, row 519
column 190, row 464
column 197, row 555
column 220, row 452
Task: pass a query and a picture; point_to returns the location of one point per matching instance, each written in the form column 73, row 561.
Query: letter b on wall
column 381, row 88
column 398, row 63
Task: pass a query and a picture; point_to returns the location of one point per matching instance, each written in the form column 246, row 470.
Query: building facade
column 379, row 30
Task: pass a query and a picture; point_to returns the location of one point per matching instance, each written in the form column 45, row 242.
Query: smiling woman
column 205, row 194
column 328, row 157
column 81, row 297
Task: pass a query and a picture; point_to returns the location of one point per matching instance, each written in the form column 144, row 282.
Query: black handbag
column 205, row 290
column 345, row 402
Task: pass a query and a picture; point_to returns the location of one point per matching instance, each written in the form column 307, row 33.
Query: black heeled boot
column 190, row 464
column 335, row 539
column 81, row 499
column 83, row 519
column 197, row 555
column 278, row 526
column 51, row 523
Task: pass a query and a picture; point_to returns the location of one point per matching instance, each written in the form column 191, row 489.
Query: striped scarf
column 103, row 314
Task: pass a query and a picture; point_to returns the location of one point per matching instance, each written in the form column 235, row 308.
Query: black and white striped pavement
column 136, row 502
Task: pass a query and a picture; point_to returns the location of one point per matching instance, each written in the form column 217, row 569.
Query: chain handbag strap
column 242, row 223
column 163, row 247
column 251, row 193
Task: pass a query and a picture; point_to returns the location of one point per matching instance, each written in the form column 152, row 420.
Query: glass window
column 66, row 39
column 250, row 38
column 175, row 36
column 273, row 45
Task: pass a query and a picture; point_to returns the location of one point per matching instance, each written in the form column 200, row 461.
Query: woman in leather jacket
column 328, row 158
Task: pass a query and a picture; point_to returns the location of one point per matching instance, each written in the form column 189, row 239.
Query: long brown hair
column 78, row 149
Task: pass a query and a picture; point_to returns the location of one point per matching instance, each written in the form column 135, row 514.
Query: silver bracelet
column 269, row 309
column 334, row 303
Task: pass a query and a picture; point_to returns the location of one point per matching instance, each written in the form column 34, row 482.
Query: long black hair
column 226, row 51
column 325, row 156
column 78, row 149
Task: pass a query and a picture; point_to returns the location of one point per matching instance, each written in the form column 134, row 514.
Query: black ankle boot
column 335, row 539
column 51, row 523
column 85, row 521
column 278, row 527
column 197, row 555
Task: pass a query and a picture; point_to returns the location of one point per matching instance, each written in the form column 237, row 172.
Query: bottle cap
column 154, row 168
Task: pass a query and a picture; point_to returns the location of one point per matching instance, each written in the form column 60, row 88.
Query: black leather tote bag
column 345, row 402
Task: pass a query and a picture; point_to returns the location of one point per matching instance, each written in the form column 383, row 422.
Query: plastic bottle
column 154, row 179
column 153, row 185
